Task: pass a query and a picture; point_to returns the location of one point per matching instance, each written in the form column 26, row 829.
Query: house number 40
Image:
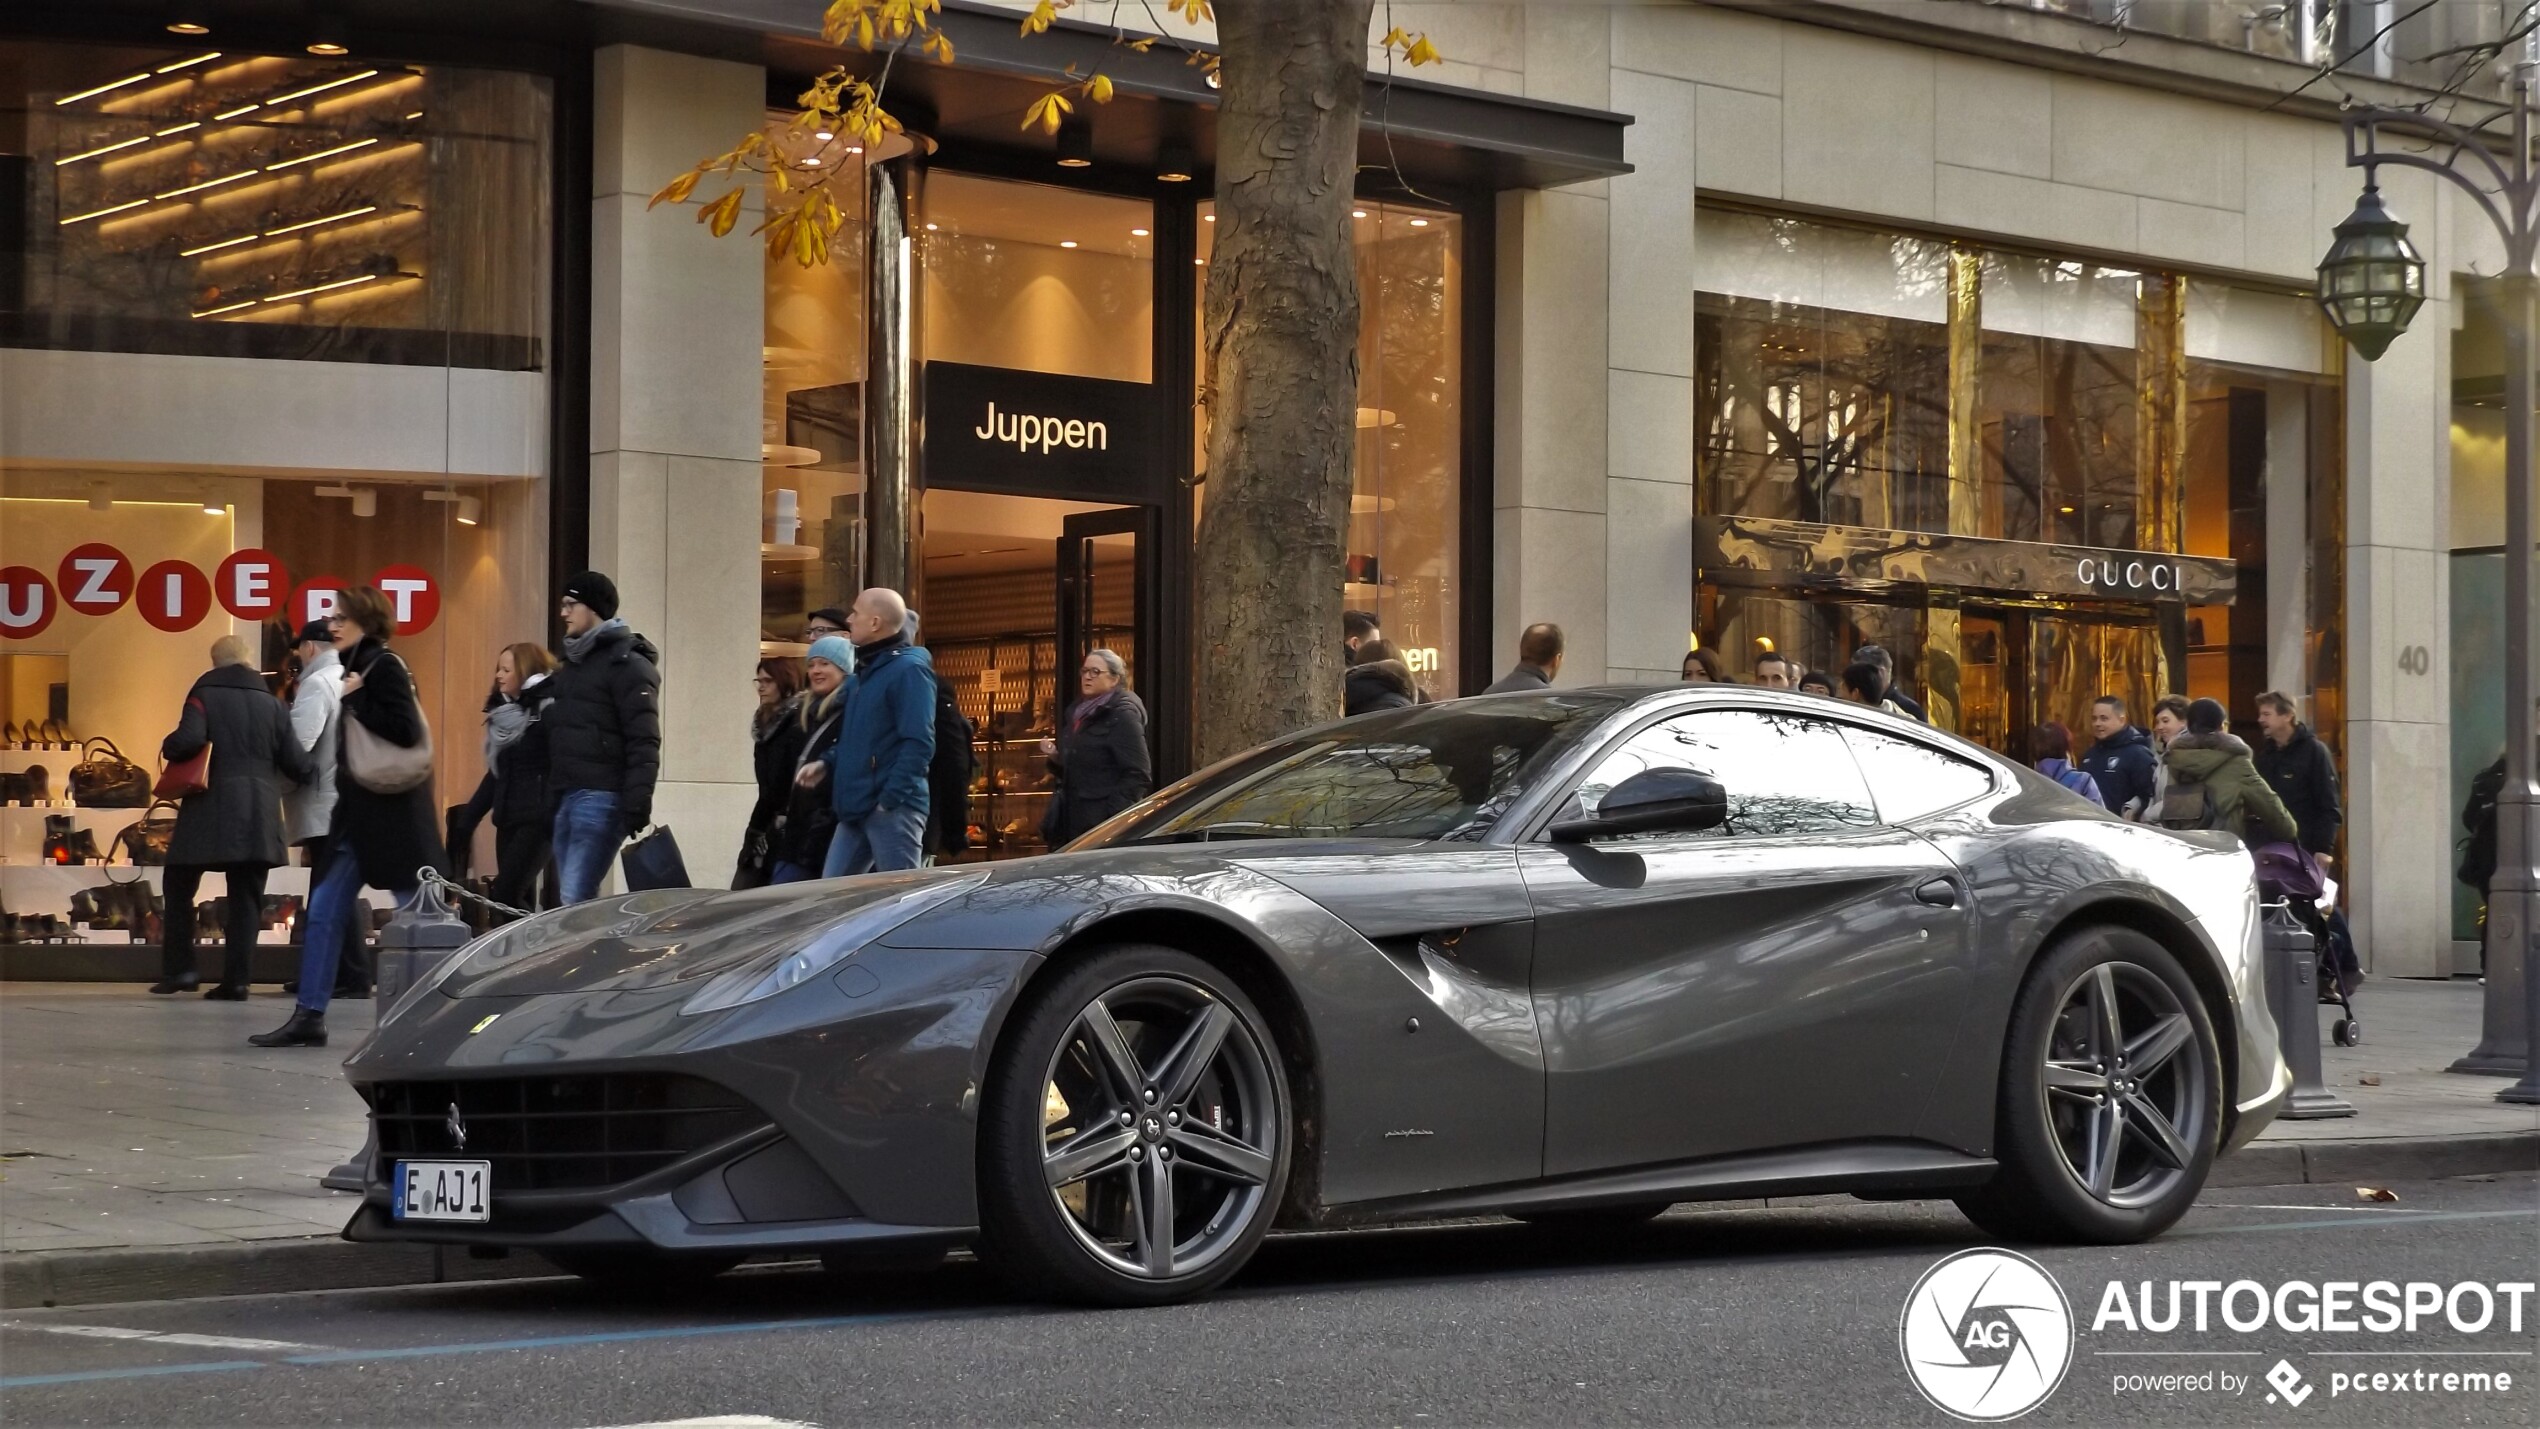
column 2415, row 660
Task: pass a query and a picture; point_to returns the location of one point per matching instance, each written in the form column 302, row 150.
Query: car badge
column 483, row 1022
column 456, row 1125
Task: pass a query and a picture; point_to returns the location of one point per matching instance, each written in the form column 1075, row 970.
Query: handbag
column 146, row 840
column 104, row 779
column 188, row 776
column 383, row 767
column 653, row 861
column 2289, row 869
column 754, row 867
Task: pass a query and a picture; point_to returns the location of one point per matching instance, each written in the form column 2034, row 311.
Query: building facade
column 1751, row 327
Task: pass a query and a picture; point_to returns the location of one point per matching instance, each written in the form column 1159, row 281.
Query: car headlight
column 829, row 947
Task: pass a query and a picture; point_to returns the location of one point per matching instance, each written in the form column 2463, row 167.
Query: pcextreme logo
column 1987, row 1335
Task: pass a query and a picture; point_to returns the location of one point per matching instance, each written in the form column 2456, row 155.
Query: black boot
column 227, row 992
column 305, row 1029
column 182, row 982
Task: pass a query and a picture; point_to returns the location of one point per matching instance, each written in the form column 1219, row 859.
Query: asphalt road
column 1760, row 1315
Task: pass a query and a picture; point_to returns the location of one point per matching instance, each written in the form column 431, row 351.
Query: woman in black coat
column 777, row 733
column 234, row 827
column 379, row 840
column 1099, row 760
column 800, row 829
column 514, row 789
column 1379, row 680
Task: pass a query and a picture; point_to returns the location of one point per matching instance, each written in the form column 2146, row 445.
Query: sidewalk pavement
column 147, row 1150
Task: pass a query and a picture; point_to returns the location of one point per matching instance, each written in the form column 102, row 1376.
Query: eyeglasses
column 761, row 680
column 817, row 631
column 337, row 618
column 566, row 601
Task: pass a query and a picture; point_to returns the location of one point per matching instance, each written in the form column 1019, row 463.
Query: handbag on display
column 652, row 861
column 383, row 767
column 146, row 840
column 104, row 779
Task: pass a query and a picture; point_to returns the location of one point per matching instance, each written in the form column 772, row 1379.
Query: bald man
column 886, row 739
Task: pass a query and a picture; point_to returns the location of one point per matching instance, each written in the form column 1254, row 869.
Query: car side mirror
column 1652, row 801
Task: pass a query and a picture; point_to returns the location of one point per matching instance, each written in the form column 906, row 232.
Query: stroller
column 2285, row 871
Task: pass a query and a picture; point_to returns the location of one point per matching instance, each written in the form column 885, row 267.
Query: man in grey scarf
column 603, row 735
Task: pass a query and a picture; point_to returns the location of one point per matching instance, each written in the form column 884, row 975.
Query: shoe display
column 305, row 1029
column 170, row 985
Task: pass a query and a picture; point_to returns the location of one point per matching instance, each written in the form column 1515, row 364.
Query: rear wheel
column 641, row 1268
column 1134, row 1135
column 2111, row 1097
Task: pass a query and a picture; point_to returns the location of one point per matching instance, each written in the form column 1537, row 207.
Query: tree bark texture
column 1281, row 334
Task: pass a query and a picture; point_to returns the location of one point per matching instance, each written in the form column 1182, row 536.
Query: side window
column 1785, row 774
column 1911, row 779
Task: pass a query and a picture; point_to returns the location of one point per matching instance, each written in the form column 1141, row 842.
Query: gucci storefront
column 2033, row 479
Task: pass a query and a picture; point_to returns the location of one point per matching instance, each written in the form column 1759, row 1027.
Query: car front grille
column 559, row 1133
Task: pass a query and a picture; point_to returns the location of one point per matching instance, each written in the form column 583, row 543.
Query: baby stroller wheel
column 2347, row 1031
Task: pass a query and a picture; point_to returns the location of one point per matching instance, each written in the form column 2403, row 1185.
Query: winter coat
column 2242, row 802
column 776, row 746
column 237, row 822
column 2125, row 767
column 514, row 791
column 2077, row 780
column 392, row 834
column 1101, row 767
column 799, row 832
column 1905, row 704
column 1524, row 677
column 604, row 725
column 315, row 707
column 1377, row 685
column 2303, row 775
column 886, row 731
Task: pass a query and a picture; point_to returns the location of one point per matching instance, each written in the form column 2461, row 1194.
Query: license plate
column 441, row 1190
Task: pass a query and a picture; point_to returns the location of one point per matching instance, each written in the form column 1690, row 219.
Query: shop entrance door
column 2019, row 668
column 1103, row 584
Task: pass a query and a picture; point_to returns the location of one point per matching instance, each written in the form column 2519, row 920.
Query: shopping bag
column 652, row 860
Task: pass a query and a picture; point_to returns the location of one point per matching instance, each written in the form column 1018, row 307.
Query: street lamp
column 2370, row 284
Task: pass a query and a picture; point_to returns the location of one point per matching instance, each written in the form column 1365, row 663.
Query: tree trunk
column 1282, row 369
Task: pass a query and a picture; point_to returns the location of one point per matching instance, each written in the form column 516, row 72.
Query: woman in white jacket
column 316, row 717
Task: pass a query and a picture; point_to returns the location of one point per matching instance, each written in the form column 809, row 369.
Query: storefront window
column 2057, row 403
column 811, row 489
column 2477, row 573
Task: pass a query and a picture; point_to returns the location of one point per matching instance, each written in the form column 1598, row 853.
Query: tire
column 641, row 1269
column 1595, row 1220
column 1094, row 1101
column 2052, row 1183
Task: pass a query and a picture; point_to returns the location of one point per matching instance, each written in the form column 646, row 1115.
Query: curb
column 51, row 1278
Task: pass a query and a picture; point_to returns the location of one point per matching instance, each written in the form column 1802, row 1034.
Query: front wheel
column 1134, row 1136
column 2111, row 1097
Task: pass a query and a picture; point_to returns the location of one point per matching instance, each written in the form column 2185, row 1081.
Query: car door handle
column 1939, row 893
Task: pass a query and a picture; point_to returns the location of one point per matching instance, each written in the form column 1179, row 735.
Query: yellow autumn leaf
column 1394, row 39
column 1142, row 46
column 720, row 215
column 1099, row 88
column 1042, row 17
column 939, row 47
column 1423, row 53
column 677, row 190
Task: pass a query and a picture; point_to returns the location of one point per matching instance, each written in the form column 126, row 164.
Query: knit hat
column 835, row 650
column 315, row 632
column 594, row 590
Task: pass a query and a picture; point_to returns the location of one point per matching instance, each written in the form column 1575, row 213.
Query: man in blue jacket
column 2122, row 760
column 886, row 740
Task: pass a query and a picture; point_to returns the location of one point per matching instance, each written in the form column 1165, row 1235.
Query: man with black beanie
column 603, row 735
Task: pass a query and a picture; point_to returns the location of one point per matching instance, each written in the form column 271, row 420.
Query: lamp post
column 2370, row 284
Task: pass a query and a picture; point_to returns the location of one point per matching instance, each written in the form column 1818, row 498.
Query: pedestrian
column 1380, row 680
column 1358, row 630
column 603, row 735
column 827, row 621
column 376, row 839
column 1538, row 661
column 876, row 771
column 1814, row 682
column 1099, row 761
column 234, row 826
column 2228, row 793
column 308, row 810
column 950, row 771
column 798, row 837
column 1866, row 684
column 1889, row 690
column 777, row 732
column 2169, row 721
column 2298, row 768
column 514, row 789
column 1701, row 667
column 1776, row 671
column 2120, row 758
column 2050, row 750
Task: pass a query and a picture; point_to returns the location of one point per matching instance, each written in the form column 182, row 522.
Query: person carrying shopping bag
column 232, row 824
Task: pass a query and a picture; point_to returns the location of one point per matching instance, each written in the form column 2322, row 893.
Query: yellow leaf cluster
column 1042, row 17
column 1415, row 49
column 1195, row 11
column 866, row 23
column 1048, row 111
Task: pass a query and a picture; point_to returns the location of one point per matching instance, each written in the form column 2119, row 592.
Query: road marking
column 162, row 1337
column 2342, row 1210
column 2334, row 1223
column 722, row 1421
column 20, row 1381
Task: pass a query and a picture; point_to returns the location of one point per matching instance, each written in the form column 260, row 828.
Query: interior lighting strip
column 102, row 212
column 112, row 85
column 320, row 154
column 319, row 88
column 320, row 222
column 105, row 149
column 187, row 64
column 206, row 184
column 297, row 293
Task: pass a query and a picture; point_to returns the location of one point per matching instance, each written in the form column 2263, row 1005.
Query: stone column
column 677, row 332
column 1548, row 518
column 2288, row 518
column 1649, row 430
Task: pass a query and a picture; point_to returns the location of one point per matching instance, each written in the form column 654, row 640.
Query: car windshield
column 1442, row 771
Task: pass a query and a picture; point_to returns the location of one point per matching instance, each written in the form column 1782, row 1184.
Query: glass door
column 1102, row 580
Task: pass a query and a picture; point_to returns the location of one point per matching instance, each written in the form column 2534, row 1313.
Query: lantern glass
column 2372, row 282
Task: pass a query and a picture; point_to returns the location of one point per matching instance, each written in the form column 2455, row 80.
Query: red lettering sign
column 95, row 579
column 251, row 584
column 173, row 596
column 414, row 601
column 317, row 598
column 26, row 602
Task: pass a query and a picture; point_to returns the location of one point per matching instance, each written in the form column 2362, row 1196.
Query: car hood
column 645, row 940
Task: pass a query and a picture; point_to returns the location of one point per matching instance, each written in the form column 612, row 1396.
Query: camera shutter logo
column 1986, row 1335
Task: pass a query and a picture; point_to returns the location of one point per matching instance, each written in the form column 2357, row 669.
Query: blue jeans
column 785, row 872
column 883, row 841
column 336, row 915
column 588, row 832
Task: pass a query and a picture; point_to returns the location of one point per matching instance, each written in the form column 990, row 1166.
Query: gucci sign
column 2112, row 574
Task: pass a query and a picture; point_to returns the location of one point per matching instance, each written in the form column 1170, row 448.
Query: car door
column 1789, row 977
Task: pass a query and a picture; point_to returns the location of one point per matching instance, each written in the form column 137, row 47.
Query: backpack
column 2478, row 851
column 2189, row 806
column 948, row 775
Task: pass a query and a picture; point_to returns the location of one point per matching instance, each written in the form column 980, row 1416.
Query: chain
column 430, row 877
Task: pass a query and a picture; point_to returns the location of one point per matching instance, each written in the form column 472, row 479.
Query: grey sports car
column 1571, row 956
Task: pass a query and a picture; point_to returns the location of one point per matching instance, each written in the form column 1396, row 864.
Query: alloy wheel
column 2125, row 1086
column 1160, row 1127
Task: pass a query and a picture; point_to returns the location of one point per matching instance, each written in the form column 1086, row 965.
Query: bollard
column 418, row 936
column 2293, row 987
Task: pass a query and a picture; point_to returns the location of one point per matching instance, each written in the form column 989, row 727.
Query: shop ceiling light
column 470, row 510
column 189, row 19
column 1137, row 233
column 1175, row 165
column 1076, row 143
column 824, row 135
column 1067, row 243
column 1419, row 223
column 214, row 506
column 327, row 37
column 1358, row 213
column 365, row 500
